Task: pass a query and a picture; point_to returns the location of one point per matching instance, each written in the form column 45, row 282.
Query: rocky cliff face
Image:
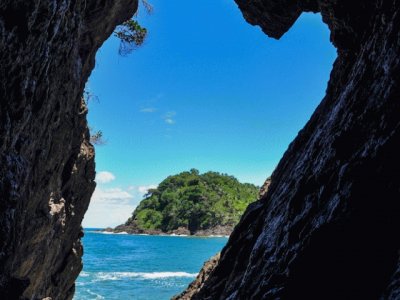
column 329, row 226
column 198, row 283
column 47, row 51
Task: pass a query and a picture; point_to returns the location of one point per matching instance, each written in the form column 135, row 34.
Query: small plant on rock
column 131, row 34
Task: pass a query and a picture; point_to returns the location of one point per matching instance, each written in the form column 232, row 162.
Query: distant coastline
column 218, row 231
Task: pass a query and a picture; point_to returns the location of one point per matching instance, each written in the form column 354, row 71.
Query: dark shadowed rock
column 328, row 228
column 329, row 225
column 47, row 51
column 197, row 284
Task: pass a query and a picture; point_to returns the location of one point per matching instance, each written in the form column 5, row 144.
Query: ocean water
column 140, row 267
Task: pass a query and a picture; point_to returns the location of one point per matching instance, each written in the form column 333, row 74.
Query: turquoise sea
column 141, row 267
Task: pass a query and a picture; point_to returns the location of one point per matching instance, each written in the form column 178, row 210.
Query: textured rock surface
column 47, row 51
column 329, row 226
column 198, row 283
column 264, row 188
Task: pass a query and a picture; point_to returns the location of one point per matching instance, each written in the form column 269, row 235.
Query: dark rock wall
column 329, row 226
column 198, row 283
column 47, row 51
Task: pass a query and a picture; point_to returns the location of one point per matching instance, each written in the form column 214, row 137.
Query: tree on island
column 193, row 201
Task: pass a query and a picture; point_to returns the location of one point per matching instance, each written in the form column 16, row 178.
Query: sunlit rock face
column 329, row 225
column 47, row 51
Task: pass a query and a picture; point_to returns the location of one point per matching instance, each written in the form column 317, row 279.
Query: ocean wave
column 103, row 276
column 107, row 232
column 97, row 296
column 84, row 274
column 173, row 234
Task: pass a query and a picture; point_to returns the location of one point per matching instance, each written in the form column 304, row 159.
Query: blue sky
column 207, row 91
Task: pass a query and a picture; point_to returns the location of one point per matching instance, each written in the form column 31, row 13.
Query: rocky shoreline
column 182, row 231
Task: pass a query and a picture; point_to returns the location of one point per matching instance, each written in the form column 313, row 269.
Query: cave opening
column 203, row 92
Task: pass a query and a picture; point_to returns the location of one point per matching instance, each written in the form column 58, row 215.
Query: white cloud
column 170, row 121
column 110, row 207
column 109, row 196
column 144, row 188
column 104, row 177
column 169, row 117
column 148, row 110
column 138, row 191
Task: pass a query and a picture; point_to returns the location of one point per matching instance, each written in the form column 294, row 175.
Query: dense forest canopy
column 194, row 201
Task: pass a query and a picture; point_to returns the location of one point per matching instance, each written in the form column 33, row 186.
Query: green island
column 191, row 203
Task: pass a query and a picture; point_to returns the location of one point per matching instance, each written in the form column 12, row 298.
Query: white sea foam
column 173, row 234
column 108, row 232
column 218, row 236
column 84, row 274
column 98, row 296
column 99, row 232
column 102, row 276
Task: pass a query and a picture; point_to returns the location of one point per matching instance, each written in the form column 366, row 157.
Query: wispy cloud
column 150, row 105
column 140, row 190
column 169, row 117
column 169, row 121
column 111, row 196
column 110, row 207
column 104, row 177
column 143, row 189
column 148, row 110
